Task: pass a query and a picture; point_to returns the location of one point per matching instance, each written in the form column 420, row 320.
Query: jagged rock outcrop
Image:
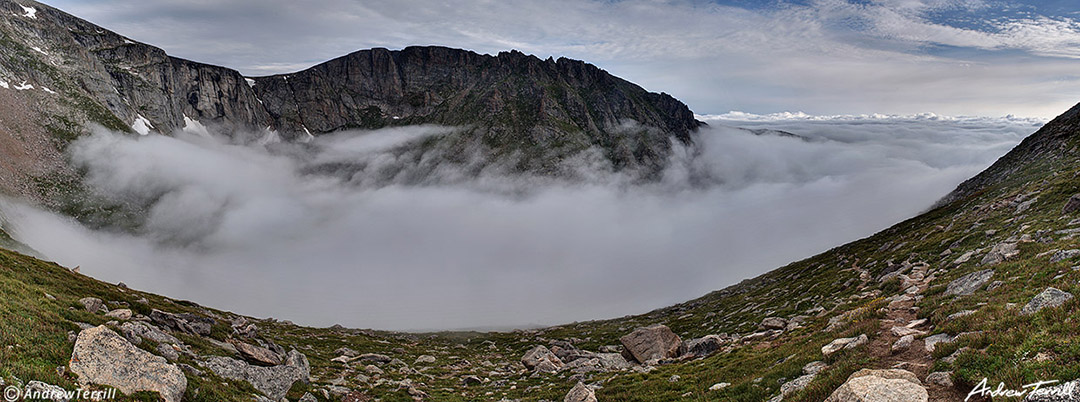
column 101, row 356
column 518, row 102
column 274, row 382
column 63, row 74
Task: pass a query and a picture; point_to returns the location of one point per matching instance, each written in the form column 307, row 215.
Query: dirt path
column 915, row 359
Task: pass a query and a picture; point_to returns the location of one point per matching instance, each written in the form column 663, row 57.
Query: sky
column 282, row 234
column 821, row 57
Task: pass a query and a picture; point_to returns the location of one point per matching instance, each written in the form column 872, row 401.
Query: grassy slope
column 34, row 329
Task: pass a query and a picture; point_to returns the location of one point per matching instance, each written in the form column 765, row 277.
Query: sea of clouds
column 306, row 233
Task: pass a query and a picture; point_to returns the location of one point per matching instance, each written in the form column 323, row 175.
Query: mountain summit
column 61, row 73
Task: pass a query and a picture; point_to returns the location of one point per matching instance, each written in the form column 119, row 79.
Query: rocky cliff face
column 516, row 101
column 61, row 74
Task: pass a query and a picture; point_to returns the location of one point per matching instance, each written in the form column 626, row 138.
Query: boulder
column 1062, row 255
column 1072, row 205
column 374, row 358
column 137, row 331
column 103, row 357
column 471, row 380
column 881, row 386
column 704, row 346
column 959, row 314
column 653, row 343
column 903, row 344
column 719, row 386
column 814, row 367
column 931, row 341
column 905, row 330
column 613, row 361
column 940, row 378
column 120, row 314
column 580, row 393
column 540, row 358
column 189, row 323
column 968, row 284
column 274, row 382
column 1000, row 252
column 774, row 323
column 92, row 304
column 844, row 343
column 1067, row 392
column 425, row 359
column 256, row 354
column 795, row 385
column 1050, row 297
column 346, row 352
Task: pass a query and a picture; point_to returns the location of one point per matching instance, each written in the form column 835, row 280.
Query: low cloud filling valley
column 362, row 229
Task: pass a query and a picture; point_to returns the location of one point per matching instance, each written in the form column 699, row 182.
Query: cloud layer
column 973, row 57
column 256, row 231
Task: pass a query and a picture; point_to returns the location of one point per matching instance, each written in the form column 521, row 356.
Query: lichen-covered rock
column 704, row 346
column 540, row 358
column 653, row 343
column 968, row 284
column 256, row 354
column 844, row 343
column 274, row 382
column 881, row 386
column 92, row 304
column 1050, row 297
column 103, row 357
column 580, row 393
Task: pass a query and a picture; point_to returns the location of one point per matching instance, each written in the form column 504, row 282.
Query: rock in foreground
column 881, row 386
column 103, row 357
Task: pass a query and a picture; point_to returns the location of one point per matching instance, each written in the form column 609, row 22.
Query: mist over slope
column 367, row 229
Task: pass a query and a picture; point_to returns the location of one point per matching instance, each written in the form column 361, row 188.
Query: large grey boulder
column 653, row 343
column 1050, row 297
column 580, row 393
column 274, row 382
column 881, row 386
column 968, row 284
column 1067, row 392
column 103, row 357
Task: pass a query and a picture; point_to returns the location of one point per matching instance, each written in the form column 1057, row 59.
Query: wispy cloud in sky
column 959, row 57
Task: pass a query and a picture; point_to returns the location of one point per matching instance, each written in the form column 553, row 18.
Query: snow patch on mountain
column 141, row 125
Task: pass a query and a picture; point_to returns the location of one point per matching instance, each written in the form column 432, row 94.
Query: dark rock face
column 513, row 107
column 515, row 100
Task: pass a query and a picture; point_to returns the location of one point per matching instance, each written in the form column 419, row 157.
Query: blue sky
column 955, row 57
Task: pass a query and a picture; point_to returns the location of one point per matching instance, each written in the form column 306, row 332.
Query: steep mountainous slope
column 981, row 287
column 978, row 288
column 60, row 73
